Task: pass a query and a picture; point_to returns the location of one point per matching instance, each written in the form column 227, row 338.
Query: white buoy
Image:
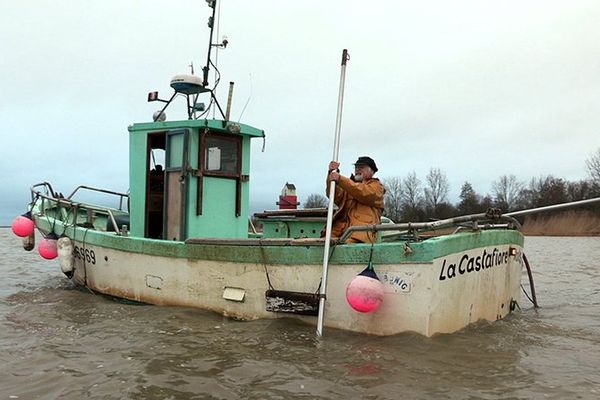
column 65, row 256
column 29, row 242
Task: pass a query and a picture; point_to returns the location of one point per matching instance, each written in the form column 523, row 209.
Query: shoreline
column 573, row 223
column 569, row 223
column 560, row 235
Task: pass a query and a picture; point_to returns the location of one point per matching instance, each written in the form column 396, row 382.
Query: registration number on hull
column 85, row 255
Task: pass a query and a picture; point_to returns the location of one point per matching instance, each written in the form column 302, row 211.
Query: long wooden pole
column 336, row 152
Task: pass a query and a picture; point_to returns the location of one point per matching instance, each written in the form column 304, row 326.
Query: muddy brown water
column 57, row 342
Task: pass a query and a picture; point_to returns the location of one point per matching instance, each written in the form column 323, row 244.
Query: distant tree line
column 410, row 199
column 315, row 201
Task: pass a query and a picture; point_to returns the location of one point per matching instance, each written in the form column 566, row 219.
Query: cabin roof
column 213, row 124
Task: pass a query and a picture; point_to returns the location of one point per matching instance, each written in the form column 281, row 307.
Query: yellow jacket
column 360, row 203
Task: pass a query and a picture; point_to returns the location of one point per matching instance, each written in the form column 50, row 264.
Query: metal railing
column 46, row 193
column 491, row 215
column 122, row 196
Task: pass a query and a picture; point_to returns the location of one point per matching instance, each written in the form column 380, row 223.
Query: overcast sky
column 477, row 88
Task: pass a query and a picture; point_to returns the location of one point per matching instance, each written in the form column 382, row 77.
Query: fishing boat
column 181, row 237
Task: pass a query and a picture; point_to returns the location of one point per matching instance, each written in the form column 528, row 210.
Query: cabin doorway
column 175, row 185
column 155, row 185
column 166, row 185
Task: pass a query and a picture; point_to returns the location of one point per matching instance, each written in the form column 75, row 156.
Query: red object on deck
column 288, row 202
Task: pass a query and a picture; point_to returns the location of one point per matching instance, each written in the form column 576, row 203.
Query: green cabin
column 189, row 179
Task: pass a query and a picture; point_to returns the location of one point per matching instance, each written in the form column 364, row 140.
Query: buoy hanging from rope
column 48, row 247
column 23, row 225
column 65, row 256
column 365, row 292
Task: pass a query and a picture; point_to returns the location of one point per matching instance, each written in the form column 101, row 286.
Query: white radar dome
column 187, row 84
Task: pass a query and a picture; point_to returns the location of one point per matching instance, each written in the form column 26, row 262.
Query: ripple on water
column 56, row 342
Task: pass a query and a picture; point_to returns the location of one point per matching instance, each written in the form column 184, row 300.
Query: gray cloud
column 478, row 89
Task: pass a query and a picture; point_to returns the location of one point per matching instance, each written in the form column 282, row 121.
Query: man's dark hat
column 368, row 161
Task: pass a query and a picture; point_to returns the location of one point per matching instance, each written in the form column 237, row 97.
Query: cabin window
column 222, row 156
column 175, row 151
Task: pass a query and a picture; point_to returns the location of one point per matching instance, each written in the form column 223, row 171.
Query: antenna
column 192, row 85
column 195, row 98
column 247, row 101
column 214, row 111
column 211, row 25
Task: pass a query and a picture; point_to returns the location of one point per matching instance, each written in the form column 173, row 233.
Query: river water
column 60, row 342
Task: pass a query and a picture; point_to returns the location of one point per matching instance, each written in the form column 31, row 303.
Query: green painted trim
column 291, row 228
column 213, row 124
column 383, row 253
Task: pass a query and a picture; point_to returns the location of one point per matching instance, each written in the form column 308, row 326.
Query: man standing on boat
column 359, row 199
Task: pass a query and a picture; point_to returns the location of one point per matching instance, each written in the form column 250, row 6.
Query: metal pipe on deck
column 444, row 223
column 229, row 99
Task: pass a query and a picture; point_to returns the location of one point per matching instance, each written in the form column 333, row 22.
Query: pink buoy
column 23, row 225
column 365, row 292
column 48, row 247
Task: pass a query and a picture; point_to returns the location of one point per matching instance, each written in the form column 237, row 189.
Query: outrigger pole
column 553, row 207
column 336, row 152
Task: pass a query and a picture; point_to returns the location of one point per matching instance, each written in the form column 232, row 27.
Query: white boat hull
column 428, row 298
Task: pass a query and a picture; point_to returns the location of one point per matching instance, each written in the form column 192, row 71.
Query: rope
column 527, row 295
column 371, row 256
column 264, row 263
column 32, row 204
column 533, row 298
column 53, row 224
column 66, row 223
column 333, row 247
column 83, row 258
column 247, row 101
